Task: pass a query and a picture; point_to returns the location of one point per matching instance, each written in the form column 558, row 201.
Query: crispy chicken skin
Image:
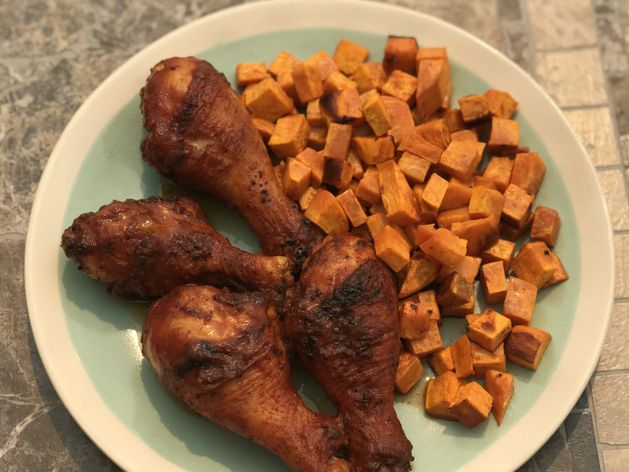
column 201, row 136
column 218, row 351
column 342, row 319
column 145, row 248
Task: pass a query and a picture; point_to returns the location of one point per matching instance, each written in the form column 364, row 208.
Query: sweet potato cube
column 472, row 317
column 373, row 150
column 338, row 81
column 516, row 206
column 342, row 106
column 369, row 186
column 526, row 345
column 520, row 301
column 429, row 342
column 433, row 193
column 534, row 263
column 545, row 226
column 400, row 54
column 397, row 196
column 435, row 132
column 502, row 251
column 413, row 167
column 358, row 172
column 324, row 63
column 313, row 114
column 427, row 303
column 375, row 223
column 498, row 171
column 504, row 137
column 337, row 141
column 485, row 360
column 247, row 74
column 392, row 248
column 409, row 370
column 440, row 394
column 458, row 195
column 455, row 290
column 500, row 386
column 424, row 232
column 434, row 87
column 474, row 108
column 369, row 76
column 412, row 142
column 349, row 55
column 278, row 170
column 486, row 202
column 482, row 181
column 528, row 172
column 446, row 218
column 472, row 404
column 285, row 79
column 441, row 361
column 462, row 357
column 307, row 82
column 460, row 310
column 461, row 158
column 306, row 198
column 317, row 137
column 315, row 161
column 513, row 233
column 352, row 208
column 401, row 85
column 479, row 234
column 296, row 178
column 560, row 273
column 337, row 172
column 264, row 127
column 466, row 268
column 431, row 53
column 494, row 282
column 422, row 271
column 326, row 212
column 445, row 247
column 376, row 115
column 489, row 330
column 290, row 136
column 413, row 323
column 464, row 135
column 500, row 104
column 399, row 114
column 283, row 62
column 454, row 120
column 267, row 100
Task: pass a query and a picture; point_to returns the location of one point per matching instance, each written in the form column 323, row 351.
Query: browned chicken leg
column 342, row 319
column 218, row 352
column 201, row 136
column 145, row 248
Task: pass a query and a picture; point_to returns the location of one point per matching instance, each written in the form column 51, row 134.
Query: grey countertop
column 53, row 53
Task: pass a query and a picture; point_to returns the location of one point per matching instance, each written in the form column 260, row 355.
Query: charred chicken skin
column 144, row 248
column 342, row 319
column 218, row 351
column 201, row 136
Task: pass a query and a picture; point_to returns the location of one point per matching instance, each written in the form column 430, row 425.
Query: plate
column 89, row 340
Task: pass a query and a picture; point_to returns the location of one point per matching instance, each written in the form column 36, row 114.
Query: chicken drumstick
column 342, row 319
column 218, row 352
column 201, row 136
column 145, row 248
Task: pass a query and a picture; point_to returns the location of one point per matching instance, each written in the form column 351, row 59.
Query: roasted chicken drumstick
column 201, row 136
column 145, row 248
column 342, row 319
column 218, row 351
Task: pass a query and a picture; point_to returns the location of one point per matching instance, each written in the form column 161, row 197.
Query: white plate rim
column 55, row 347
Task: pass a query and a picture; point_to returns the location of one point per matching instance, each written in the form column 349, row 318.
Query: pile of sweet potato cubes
column 375, row 149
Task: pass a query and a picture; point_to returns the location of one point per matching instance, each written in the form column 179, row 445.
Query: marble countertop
column 53, row 54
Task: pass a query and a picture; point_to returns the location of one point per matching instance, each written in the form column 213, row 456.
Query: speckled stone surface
column 53, row 53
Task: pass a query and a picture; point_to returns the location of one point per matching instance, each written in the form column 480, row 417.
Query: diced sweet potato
column 516, row 205
column 317, row 137
column 341, row 106
column 472, row 317
column 353, row 210
column 494, row 282
column 412, row 322
column 401, row 85
column 471, row 405
column 474, row 108
column 433, row 193
column 431, row 53
column 513, row 233
column 528, row 172
column 445, row 247
column 290, row 136
column 500, row 386
column 413, row 167
column 455, row 290
column 485, row 202
column 440, row 394
column 264, row 127
column 337, row 172
column 283, row 62
column 460, row 310
column 267, row 100
column 498, row 171
column 446, row 218
column 392, row 248
column 424, row 232
column 337, row 141
column 296, row 178
column 458, row 195
column 422, row 271
column 397, row 196
column 526, row 345
column 313, row 114
column 434, row 87
column 369, row 76
column 501, row 104
column 306, row 198
column 485, row 360
column 534, row 263
column 427, row 303
column 435, row 132
column 315, row 161
column 357, row 167
column 482, row 181
column 461, row 158
column 375, row 223
column 373, row 150
column 489, row 330
column 338, row 81
column 285, row 80
column 466, row 268
column 454, row 120
column 324, row 63
column 464, row 135
column 520, row 301
column 414, row 143
column 349, row 55
column 247, row 74
column 441, row 361
column 501, row 251
column 429, row 342
column 462, row 357
column 400, row 54
column 560, row 273
column 307, row 80
column 545, row 226
column 480, row 234
column 376, row 115
column 399, row 114
column 369, row 186
column 409, row 370
column 326, row 212
column 504, row 137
